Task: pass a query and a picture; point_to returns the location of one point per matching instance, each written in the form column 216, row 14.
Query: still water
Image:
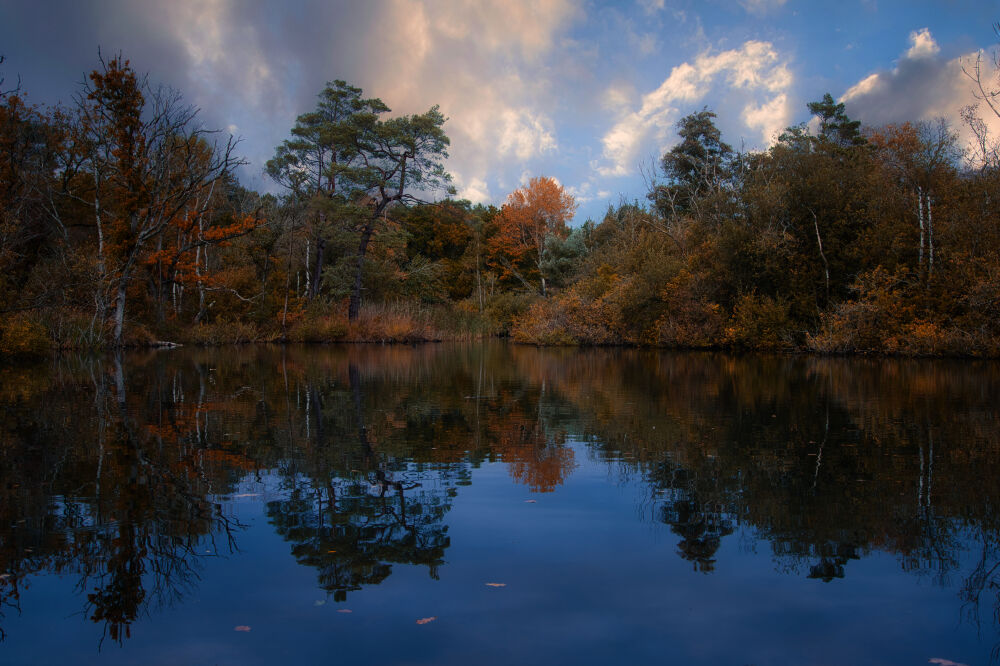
column 496, row 504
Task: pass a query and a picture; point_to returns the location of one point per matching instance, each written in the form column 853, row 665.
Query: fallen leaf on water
column 530, row 502
column 241, row 627
column 496, row 584
column 425, row 620
column 331, row 551
column 944, row 662
column 319, row 602
column 344, row 610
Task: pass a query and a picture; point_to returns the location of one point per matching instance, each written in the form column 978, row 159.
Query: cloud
column 485, row 64
column 771, row 118
column 754, row 70
column 922, row 45
column 652, row 6
column 761, row 6
column 495, row 67
column 922, row 86
column 475, row 190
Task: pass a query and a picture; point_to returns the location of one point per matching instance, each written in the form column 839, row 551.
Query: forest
column 123, row 223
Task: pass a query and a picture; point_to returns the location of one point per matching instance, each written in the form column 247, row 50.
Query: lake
column 496, row 504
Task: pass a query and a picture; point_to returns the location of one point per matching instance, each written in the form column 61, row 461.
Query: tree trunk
column 118, row 341
column 822, row 255
column 318, row 271
column 308, row 274
column 920, row 219
column 479, row 278
column 354, row 309
column 930, row 238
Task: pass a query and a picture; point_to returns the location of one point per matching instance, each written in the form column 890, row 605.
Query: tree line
column 123, row 222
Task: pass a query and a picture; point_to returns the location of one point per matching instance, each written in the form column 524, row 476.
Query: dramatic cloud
column 753, row 70
column 564, row 88
column 922, row 86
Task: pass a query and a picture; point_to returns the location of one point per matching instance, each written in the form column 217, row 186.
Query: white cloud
column 524, row 135
column 922, row 86
column 754, row 70
column 922, row 45
column 476, row 191
column 483, row 63
column 771, row 118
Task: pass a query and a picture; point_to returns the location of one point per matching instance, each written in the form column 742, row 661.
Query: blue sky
column 581, row 91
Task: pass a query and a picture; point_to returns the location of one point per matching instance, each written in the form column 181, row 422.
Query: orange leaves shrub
column 20, row 335
column 572, row 318
column 689, row 319
column 864, row 324
column 759, row 322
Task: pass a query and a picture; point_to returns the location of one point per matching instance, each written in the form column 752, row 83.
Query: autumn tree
column 148, row 163
column 532, row 215
column 923, row 156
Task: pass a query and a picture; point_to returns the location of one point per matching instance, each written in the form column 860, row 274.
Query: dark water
column 626, row 506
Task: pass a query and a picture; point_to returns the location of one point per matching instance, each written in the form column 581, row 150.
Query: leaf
column 944, row 662
column 530, row 502
column 319, row 602
column 241, row 627
column 496, row 584
column 344, row 610
column 425, row 620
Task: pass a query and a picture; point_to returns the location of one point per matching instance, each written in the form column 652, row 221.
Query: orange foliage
column 531, row 215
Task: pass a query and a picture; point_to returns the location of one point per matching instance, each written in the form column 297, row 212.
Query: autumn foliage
column 532, row 215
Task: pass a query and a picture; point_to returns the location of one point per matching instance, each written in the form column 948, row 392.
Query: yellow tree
column 532, row 215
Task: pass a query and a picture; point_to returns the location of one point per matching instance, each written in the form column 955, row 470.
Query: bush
column 20, row 335
column 505, row 308
column 759, row 322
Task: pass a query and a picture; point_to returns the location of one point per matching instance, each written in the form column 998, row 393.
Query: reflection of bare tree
column 119, row 510
column 983, row 585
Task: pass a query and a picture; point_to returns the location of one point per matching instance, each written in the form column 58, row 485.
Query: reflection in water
column 120, row 472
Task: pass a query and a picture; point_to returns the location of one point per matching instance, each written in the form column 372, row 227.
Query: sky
column 587, row 92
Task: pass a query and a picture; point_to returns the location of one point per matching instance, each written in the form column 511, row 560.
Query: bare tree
column 148, row 161
column 987, row 85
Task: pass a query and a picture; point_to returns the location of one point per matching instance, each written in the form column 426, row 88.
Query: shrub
column 20, row 335
column 759, row 322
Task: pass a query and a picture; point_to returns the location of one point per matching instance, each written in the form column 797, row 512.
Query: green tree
column 834, row 125
column 310, row 163
column 695, row 168
column 396, row 159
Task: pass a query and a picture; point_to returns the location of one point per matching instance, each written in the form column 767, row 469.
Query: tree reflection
column 116, row 471
column 98, row 493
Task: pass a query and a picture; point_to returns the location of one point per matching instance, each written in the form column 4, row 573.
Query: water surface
column 498, row 504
